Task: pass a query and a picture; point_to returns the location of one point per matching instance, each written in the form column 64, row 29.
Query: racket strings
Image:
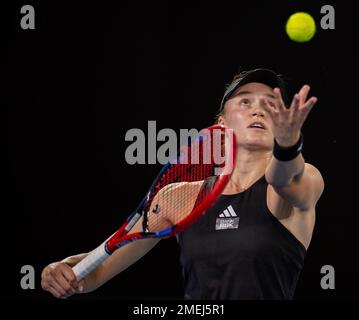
column 176, row 200
column 178, row 190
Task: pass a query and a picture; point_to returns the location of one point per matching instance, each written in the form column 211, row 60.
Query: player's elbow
column 277, row 182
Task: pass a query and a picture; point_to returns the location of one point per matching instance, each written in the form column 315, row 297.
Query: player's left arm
column 299, row 183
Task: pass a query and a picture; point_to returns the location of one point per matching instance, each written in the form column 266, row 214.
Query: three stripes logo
column 228, row 219
column 229, row 212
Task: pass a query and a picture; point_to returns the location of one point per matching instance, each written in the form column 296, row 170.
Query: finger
column 70, row 277
column 59, row 282
column 279, row 98
column 53, row 291
column 295, row 102
column 80, row 287
column 303, row 93
column 57, row 288
column 308, row 106
column 270, row 109
column 65, row 284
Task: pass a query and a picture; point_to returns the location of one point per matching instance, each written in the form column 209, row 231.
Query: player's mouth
column 257, row 125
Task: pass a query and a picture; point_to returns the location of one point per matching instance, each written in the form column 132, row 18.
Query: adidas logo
column 228, row 213
column 228, row 219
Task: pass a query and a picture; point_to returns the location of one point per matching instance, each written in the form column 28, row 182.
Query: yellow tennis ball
column 300, row 27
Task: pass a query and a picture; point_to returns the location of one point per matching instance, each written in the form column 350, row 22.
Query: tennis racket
column 176, row 198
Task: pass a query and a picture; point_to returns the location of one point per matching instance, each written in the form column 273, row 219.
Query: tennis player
column 252, row 243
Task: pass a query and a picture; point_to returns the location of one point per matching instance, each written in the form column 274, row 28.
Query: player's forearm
column 282, row 173
column 119, row 261
column 122, row 259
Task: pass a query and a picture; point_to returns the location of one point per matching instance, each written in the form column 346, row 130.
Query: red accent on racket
column 176, row 198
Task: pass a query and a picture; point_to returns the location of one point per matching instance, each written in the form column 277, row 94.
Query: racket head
column 176, row 198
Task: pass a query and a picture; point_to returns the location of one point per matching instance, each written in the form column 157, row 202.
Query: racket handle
column 91, row 262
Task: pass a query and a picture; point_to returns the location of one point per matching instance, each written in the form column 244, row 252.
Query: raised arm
column 297, row 182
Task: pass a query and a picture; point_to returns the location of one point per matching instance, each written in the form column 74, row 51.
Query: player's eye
column 245, row 102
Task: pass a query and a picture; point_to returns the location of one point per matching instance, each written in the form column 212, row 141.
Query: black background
column 91, row 71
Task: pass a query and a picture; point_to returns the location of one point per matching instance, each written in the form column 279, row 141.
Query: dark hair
column 265, row 76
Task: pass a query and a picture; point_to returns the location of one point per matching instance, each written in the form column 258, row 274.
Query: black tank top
column 239, row 250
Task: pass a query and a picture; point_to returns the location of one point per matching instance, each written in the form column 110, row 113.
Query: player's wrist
column 287, row 153
column 73, row 260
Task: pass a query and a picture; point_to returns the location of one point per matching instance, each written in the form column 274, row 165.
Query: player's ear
column 220, row 120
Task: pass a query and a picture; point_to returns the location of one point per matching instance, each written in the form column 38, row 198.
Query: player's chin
column 260, row 143
column 264, row 138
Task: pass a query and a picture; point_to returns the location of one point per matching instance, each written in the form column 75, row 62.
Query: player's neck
column 251, row 166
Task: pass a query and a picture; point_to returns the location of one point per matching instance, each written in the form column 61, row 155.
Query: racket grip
column 91, row 262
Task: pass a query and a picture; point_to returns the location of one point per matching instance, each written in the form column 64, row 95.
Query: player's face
column 245, row 113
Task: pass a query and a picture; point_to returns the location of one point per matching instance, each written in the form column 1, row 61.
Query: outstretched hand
column 287, row 122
